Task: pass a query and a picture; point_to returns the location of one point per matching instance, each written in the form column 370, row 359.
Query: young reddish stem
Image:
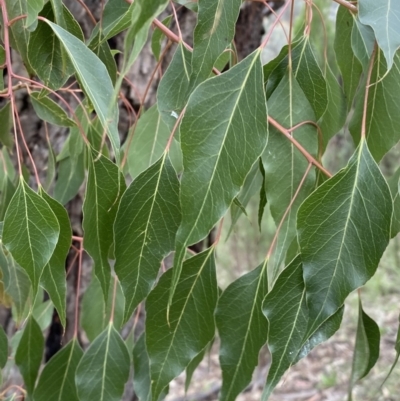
column 16, row 19
column 71, row 265
column 364, row 118
column 142, row 102
column 278, row 20
column 348, row 5
column 306, row 154
column 320, row 138
column 218, row 236
column 283, row 130
column 10, row 93
column 178, row 120
column 88, row 11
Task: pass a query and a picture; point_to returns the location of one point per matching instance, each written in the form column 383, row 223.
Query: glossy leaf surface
column 286, row 310
column 145, row 228
column 53, row 278
column 30, row 232
column 343, row 241
column 104, row 368
column 243, row 330
column 29, row 353
column 170, row 344
column 366, row 350
column 285, row 166
column 104, row 189
column 383, row 120
column 57, row 381
column 223, row 132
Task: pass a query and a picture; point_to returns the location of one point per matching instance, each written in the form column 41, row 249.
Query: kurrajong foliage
column 211, row 142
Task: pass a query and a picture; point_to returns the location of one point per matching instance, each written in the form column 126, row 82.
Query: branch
column 348, row 5
column 170, row 35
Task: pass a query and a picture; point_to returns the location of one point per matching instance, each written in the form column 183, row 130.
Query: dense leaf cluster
column 211, row 142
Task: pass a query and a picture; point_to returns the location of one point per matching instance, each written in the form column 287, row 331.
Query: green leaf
column 104, row 368
column 29, row 353
column 394, row 182
column 384, row 20
column 383, row 117
column 141, row 368
column 286, row 310
column 54, row 278
column 95, row 81
column 171, row 344
column 57, row 381
column 6, row 123
column 322, row 334
column 145, row 227
column 50, row 111
column 343, row 229
column 173, row 91
column 16, row 283
column 251, row 186
column 243, row 330
column 30, row 232
column 19, row 34
column 148, row 143
column 306, row 71
column 45, row 53
column 71, row 173
column 51, row 166
column 366, row 350
column 3, row 348
column 7, row 192
column 58, row 10
column 102, row 49
column 117, row 16
column 43, row 314
column 33, row 7
column 194, row 363
column 348, row 63
column 285, row 166
column 143, row 13
column 214, row 32
column 104, row 189
column 334, row 118
column 223, row 133
column 362, row 42
column 96, row 315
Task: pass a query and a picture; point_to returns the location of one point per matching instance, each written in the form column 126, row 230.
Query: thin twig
column 348, row 5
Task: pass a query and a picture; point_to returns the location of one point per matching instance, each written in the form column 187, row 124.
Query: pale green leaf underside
column 95, row 80
column 384, row 18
